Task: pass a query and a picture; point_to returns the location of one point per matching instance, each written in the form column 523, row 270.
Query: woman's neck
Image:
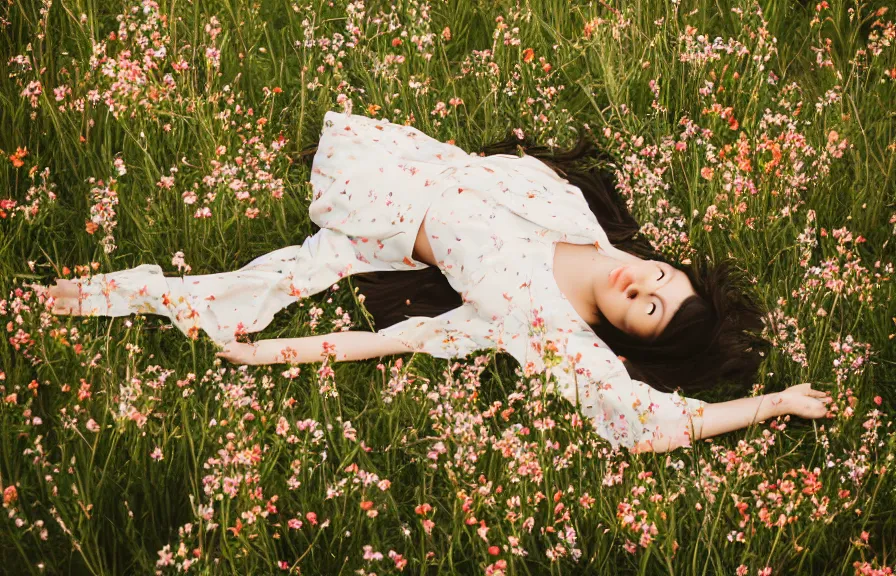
column 577, row 267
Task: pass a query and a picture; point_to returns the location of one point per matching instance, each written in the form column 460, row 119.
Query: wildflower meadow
column 168, row 132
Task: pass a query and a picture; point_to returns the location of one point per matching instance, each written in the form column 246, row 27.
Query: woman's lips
column 615, row 274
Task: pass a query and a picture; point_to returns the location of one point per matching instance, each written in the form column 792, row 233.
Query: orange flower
column 16, row 158
column 528, row 55
column 372, row 109
column 91, row 227
column 589, row 28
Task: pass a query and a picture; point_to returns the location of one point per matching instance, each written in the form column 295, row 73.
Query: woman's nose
column 641, row 282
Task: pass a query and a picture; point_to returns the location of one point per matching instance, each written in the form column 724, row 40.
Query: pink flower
column 369, row 553
column 92, row 425
column 166, row 557
column 10, row 495
column 178, row 260
column 399, row 560
column 496, row 569
column 157, row 454
column 166, row 182
column 428, row 525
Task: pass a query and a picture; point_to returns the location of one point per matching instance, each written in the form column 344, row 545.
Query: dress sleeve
column 453, row 334
column 624, row 411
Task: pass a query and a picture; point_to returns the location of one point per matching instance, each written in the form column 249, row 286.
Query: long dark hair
column 713, row 336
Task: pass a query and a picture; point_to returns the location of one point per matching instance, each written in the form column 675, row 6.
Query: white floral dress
column 493, row 223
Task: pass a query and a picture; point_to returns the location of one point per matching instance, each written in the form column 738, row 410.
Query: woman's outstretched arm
column 344, row 346
column 721, row 417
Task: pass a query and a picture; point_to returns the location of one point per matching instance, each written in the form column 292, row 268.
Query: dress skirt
column 372, row 183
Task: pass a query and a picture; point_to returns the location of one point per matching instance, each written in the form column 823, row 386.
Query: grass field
column 166, row 133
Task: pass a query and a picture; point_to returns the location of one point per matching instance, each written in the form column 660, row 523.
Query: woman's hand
column 240, row 353
column 801, row 400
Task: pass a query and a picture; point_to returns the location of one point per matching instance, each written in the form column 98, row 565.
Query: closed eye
column 662, row 275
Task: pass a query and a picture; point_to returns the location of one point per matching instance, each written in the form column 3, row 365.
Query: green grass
column 83, row 492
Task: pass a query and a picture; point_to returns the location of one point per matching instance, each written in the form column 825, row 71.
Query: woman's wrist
column 779, row 403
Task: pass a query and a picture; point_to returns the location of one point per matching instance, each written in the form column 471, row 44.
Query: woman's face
column 640, row 297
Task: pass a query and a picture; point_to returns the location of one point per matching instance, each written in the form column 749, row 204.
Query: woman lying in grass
column 456, row 253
